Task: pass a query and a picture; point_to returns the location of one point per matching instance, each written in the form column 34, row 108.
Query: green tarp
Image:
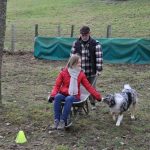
column 115, row 50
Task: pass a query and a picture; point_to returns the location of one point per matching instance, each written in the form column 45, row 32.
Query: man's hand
column 50, row 99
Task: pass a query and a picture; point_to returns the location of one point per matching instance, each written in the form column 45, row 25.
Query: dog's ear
column 107, row 97
column 113, row 100
column 110, row 96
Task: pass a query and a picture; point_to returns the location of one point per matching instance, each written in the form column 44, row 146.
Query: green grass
column 128, row 18
column 27, row 81
column 25, row 85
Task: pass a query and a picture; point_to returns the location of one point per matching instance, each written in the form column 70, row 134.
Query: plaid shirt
column 85, row 58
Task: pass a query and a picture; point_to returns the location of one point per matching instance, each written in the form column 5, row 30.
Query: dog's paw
column 114, row 118
column 132, row 117
column 118, row 124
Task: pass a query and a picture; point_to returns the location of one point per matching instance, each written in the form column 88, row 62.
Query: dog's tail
column 127, row 87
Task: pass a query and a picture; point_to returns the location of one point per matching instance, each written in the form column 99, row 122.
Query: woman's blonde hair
column 73, row 61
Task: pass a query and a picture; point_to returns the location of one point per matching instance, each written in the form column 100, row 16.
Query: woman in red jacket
column 67, row 88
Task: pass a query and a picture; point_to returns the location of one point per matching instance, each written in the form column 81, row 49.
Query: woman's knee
column 69, row 99
column 59, row 97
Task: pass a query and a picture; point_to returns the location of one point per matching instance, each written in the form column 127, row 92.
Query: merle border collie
column 120, row 102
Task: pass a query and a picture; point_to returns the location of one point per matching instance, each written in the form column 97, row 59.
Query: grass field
column 26, row 83
column 128, row 18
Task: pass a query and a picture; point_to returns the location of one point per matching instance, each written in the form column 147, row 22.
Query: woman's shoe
column 61, row 125
column 55, row 125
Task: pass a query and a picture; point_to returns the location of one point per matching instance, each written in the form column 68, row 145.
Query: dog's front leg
column 113, row 116
column 119, row 120
column 132, row 111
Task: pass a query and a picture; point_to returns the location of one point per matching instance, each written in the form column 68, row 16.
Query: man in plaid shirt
column 91, row 55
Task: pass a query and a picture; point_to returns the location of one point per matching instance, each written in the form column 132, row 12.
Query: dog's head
column 109, row 99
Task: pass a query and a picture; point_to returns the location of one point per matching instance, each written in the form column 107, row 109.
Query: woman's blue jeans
column 58, row 112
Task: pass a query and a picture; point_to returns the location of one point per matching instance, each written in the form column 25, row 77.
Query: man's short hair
column 85, row 30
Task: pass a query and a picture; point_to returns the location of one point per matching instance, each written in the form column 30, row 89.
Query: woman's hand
column 50, row 99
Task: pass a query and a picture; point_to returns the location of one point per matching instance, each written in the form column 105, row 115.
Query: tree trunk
column 3, row 4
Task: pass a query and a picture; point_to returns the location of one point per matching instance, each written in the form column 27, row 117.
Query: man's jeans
column 58, row 112
column 91, row 98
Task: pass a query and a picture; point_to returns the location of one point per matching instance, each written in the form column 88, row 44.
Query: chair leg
column 86, row 108
column 74, row 110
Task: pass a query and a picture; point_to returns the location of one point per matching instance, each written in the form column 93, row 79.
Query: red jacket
column 63, row 80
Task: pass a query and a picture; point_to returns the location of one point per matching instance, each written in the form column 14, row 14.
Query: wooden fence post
column 36, row 30
column 72, row 31
column 108, row 31
column 59, row 30
column 13, row 38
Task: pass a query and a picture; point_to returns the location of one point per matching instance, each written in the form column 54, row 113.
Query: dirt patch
column 26, row 82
